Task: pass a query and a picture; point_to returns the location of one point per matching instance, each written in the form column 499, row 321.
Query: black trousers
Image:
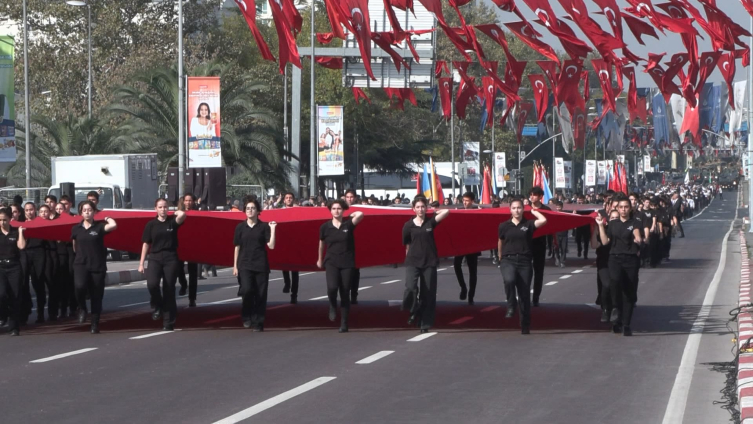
column 193, row 278
column 64, row 283
column 286, row 277
column 354, row 283
column 623, row 273
column 582, row 239
column 654, row 249
column 254, row 292
column 517, row 272
column 666, row 245
column 91, row 282
column 539, row 260
column 339, row 280
column 11, row 279
column 421, row 299
column 163, row 268
column 472, row 261
column 561, row 250
column 606, row 288
column 53, row 285
column 36, row 260
column 679, row 227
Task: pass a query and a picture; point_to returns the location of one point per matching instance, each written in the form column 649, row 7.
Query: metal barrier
column 28, row 194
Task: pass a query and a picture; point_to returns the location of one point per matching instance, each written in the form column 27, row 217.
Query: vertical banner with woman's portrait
column 7, row 109
column 330, row 151
column 203, row 98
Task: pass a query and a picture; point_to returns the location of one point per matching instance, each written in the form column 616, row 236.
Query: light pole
column 313, row 160
column 27, row 130
column 80, row 3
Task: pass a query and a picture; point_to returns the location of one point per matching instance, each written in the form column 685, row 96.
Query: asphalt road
column 477, row 367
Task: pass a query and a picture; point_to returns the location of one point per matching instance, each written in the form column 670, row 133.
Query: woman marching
column 250, row 263
column 421, row 261
column 515, row 247
column 623, row 235
column 340, row 260
column 161, row 235
column 50, row 267
column 606, row 290
column 12, row 242
column 90, row 266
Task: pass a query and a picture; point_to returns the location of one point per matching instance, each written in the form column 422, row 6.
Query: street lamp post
column 27, row 129
column 80, row 3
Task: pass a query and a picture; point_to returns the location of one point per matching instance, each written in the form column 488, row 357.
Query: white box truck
column 128, row 181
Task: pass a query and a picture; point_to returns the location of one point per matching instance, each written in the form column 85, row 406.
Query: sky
column 669, row 43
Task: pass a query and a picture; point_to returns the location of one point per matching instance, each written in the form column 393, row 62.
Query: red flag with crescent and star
column 248, row 10
column 357, row 12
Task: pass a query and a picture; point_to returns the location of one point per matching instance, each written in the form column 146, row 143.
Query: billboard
column 602, row 172
column 500, row 168
column 568, row 174
column 203, row 102
column 330, row 155
column 7, row 104
column 590, row 173
column 647, row 163
column 471, row 157
column 559, row 173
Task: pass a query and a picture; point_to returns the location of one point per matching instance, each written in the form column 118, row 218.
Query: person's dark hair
column 90, row 203
column 351, row 191
column 94, row 194
column 188, row 194
column 255, row 202
column 159, row 199
column 251, row 197
column 30, row 203
column 7, row 212
column 609, row 193
column 419, row 199
column 517, row 200
column 434, row 204
column 535, row 191
column 495, row 204
column 17, row 199
column 43, row 206
column 621, row 198
column 198, row 110
column 65, row 197
column 469, row 195
column 343, row 204
column 51, row 197
column 286, row 195
column 634, row 194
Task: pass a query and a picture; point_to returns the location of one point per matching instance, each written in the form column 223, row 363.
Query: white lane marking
column 146, row 336
column 565, row 277
column 490, row 308
column 279, row 307
column 422, row 337
column 375, row 357
column 394, row 302
column 319, row 298
column 263, row 406
column 220, row 302
column 675, row 411
column 306, row 273
column 391, row 281
column 62, row 355
column 587, row 266
column 364, row 288
column 577, row 271
column 133, row 304
column 442, row 269
column 551, row 283
column 276, row 279
column 461, row 320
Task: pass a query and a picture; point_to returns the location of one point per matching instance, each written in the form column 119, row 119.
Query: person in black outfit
column 624, row 237
column 290, row 276
column 90, row 264
column 64, row 271
column 421, row 261
column 12, row 242
column 656, row 235
column 188, row 203
column 582, row 234
column 351, row 198
column 539, row 246
column 515, row 244
column 50, row 268
column 340, row 260
column 678, row 212
column 665, row 217
column 251, row 265
column 606, row 294
column 471, row 260
column 161, row 235
column 36, row 261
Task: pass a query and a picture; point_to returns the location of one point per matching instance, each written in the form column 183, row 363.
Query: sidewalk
column 122, row 272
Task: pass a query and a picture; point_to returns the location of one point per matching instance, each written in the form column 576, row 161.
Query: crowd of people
column 629, row 232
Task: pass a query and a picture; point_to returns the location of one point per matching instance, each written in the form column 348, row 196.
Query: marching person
column 90, row 264
column 188, row 203
column 290, row 276
column 12, row 241
column 421, row 261
column 50, row 267
column 606, row 292
column 624, row 237
column 64, row 272
column 36, row 261
column 471, row 260
column 160, row 240
column 251, row 265
column 539, row 246
column 350, row 198
column 515, row 245
column 340, row 259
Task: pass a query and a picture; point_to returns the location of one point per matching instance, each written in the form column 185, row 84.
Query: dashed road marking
column 62, row 355
column 422, row 337
column 375, row 357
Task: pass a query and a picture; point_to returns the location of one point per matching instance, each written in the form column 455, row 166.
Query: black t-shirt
column 33, row 243
column 647, row 217
column 621, row 237
column 253, row 243
column 90, row 246
column 664, row 216
column 161, row 235
column 539, row 244
column 341, row 244
column 8, row 245
column 423, row 251
column 518, row 239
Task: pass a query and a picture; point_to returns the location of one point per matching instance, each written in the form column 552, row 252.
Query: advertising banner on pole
column 203, row 99
column 330, row 121
column 647, row 163
column 568, row 174
column 602, row 174
column 621, row 159
column 7, row 103
column 590, row 173
column 500, row 169
column 559, row 173
column 471, row 157
column 639, row 166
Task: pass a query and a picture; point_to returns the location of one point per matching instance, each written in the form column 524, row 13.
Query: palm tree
column 73, row 136
column 251, row 136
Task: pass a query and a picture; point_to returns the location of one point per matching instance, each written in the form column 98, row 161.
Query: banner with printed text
column 203, row 103
column 590, row 173
column 568, row 174
column 602, row 172
column 500, row 169
column 331, row 158
column 647, row 163
column 7, row 104
column 472, row 157
column 559, row 173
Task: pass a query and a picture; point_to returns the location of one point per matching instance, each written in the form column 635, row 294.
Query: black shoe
column 411, row 320
column 286, row 288
column 424, row 330
column 535, row 303
column 354, row 298
column 510, row 313
column 191, row 303
column 168, row 327
column 626, row 331
column 585, row 257
column 293, row 299
column 616, row 328
column 156, row 314
column 95, row 326
column 259, row 328
column 81, row 316
column 579, row 254
column 3, row 322
column 182, row 291
column 471, row 302
column 598, row 300
column 344, row 321
column 40, row 318
column 201, row 277
column 604, row 316
column 525, row 330
column 463, row 293
column 332, row 313
column 53, row 317
column 14, row 333
column 247, row 324
column 615, row 316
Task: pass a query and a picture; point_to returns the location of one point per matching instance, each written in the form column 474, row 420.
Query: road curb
column 116, row 278
column 745, row 339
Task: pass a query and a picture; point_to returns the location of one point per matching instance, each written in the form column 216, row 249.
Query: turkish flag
column 509, row 89
column 586, row 88
column 471, row 36
column 567, row 85
column 709, row 60
column 675, row 66
column 602, row 70
column 412, row 49
column 295, row 21
column 641, row 110
column 325, row 37
column 514, row 74
column 394, row 22
column 357, row 13
column 445, row 94
column 726, row 66
column 403, row 5
column 645, row 9
column 490, row 93
column 336, row 18
column 525, row 33
column 612, row 12
column 407, row 94
column 439, row 67
column 540, row 95
column 359, row 94
column 632, row 97
column 691, row 121
column 639, row 28
column 466, row 92
column 550, row 71
column 524, row 110
column 385, row 40
column 288, row 49
column 330, row 62
column 494, row 32
column 653, row 60
column 579, row 128
column 248, row 10
column 743, row 54
column 574, row 46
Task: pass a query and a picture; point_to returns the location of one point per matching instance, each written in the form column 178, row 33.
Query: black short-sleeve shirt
column 161, row 235
column 423, row 251
column 341, row 243
column 253, row 243
column 518, row 238
column 34, row 243
column 647, row 216
column 539, row 244
column 8, row 245
column 621, row 237
column 90, row 246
